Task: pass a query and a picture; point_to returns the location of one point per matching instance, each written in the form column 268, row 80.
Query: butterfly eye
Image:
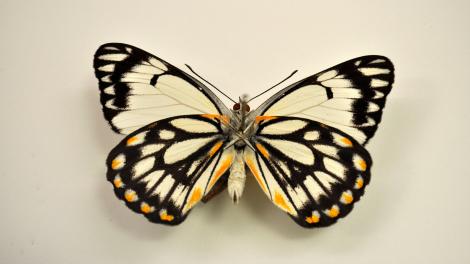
column 246, row 108
column 236, row 106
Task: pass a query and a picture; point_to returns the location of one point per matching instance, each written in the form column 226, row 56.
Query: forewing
column 138, row 88
column 163, row 169
column 313, row 172
column 349, row 96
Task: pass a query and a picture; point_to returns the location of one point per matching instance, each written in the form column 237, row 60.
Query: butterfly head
column 237, row 107
column 242, row 106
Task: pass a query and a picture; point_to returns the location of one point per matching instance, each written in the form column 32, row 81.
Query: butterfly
column 304, row 146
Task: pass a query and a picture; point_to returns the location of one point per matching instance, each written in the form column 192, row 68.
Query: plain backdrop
column 57, row 207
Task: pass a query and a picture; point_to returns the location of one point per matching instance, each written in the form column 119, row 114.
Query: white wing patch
column 314, row 188
column 327, row 75
column 325, row 179
column 179, row 195
column 338, row 83
column 164, row 187
column 152, row 178
column 132, row 120
column 375, row 83
column 181, row 150
column 312, row 135
column 283, row 128
column 370, row 71
column 143, row 166
column 298, row 196
column 298, row 101
column 147, row 69
column 193, row 125
column 185, row 93
column 113, row 56
column 335, row 167
column 327, row 150
column 166, row 134
column 293, row 150
column 330, row 116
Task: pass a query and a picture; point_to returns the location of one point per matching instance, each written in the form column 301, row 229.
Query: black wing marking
column 349, row 96
column 138, row 88
column 163, row 169
column 313, row 172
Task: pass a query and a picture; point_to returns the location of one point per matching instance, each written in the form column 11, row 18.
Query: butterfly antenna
column 285, row 79
column 189, row 67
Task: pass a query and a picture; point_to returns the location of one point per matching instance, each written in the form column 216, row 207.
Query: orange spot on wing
column 259, row 119
column 359, row 183
column 346, row 198
column 115, row 164
column 279, row 201
column 257, row 175
column 262, row 150
column 145, row 208
column 194, row 199
column 315, row 218
column 117, row 182
column 362, row 164
column 130, row 196
column 333, row 211
column 220, row 171
column 131, row 140
column 224, row 119
column 209, row 116
column 166, row 217
column 346, row 142
column 196, row 196
column 215, row 148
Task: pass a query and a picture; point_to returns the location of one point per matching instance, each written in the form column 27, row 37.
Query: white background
column 57, row 207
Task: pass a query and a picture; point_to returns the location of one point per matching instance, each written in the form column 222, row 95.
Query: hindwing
column 313, row 172
column 165, row 168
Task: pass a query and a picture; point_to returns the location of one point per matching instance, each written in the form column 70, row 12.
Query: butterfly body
column 304, row 146
column 239, row 133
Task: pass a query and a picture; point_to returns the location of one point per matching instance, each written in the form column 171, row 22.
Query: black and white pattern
column 313, row 172
column 138, row 88
column 304, row 146
column 349, row 96
column 163, row 169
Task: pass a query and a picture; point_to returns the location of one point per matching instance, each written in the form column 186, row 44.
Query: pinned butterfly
column 304, row 145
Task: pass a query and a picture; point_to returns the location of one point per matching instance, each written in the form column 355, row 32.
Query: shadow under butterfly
column 304, row 146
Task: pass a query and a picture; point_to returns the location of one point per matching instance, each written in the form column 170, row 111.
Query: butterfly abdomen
column 236, row 180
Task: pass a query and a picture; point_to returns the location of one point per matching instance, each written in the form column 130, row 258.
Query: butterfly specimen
column 304, row 146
